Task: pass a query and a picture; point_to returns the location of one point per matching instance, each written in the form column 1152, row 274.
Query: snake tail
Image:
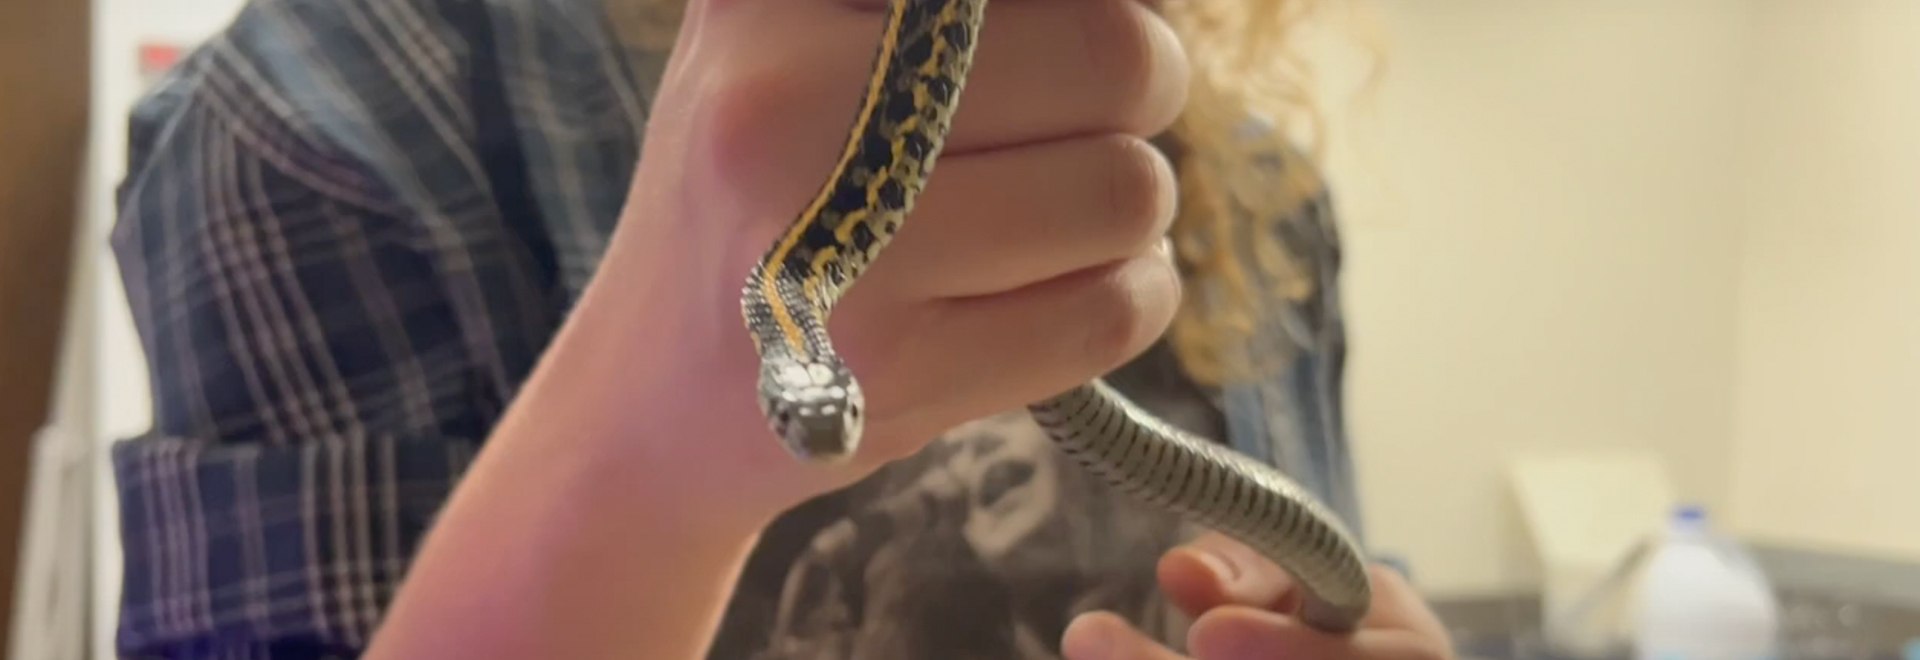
column 813, row 402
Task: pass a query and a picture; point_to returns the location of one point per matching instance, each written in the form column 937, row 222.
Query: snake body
column 815, row 406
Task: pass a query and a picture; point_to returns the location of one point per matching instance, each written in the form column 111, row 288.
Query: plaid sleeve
column 343, row 251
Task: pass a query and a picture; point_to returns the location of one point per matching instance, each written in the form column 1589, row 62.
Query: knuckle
column 741, row 119
column 1134, row 306
column 1140, row 191
column 1120, row 50
column 1112, row 341
column 736, row 112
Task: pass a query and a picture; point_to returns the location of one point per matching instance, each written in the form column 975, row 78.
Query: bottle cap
column 1688, row 519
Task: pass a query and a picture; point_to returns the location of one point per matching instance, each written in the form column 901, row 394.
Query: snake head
column 816, row 408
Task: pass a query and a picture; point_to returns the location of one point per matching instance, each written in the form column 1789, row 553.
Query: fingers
column 988, row 353
column 1107, row 65
column 1241, row 604
column 1104, row 636
column 1002, row 220
column 1047, row 70
column 1214, row 571
column 1397, row 605
column 1245, row 633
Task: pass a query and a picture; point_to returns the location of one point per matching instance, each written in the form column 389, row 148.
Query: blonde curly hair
column 1246, row 68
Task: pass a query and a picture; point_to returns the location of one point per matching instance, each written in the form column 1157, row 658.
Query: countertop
column 1833, row 608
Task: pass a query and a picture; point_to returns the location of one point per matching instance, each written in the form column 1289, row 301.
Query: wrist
column 659, row 412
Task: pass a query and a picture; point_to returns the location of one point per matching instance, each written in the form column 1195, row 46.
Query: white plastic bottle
column 1703, row 597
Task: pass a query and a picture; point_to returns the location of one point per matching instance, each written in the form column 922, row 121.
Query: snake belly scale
column 815, row 406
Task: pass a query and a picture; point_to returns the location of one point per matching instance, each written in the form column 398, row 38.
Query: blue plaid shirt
column 348, row 229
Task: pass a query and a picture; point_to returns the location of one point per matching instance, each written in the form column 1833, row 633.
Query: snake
column 815, row 406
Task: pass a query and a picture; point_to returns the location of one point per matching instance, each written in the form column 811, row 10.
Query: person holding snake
column 531, row 330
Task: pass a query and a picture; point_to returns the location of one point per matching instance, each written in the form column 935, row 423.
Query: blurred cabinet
column 44, row 68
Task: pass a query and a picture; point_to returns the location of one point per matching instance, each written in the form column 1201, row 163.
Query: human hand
column 1240, row 603
column 1034, row 260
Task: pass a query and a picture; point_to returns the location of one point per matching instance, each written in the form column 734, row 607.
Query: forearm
column 589, row 530
column 544, row 554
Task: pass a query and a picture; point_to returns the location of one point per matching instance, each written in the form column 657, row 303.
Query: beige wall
column 1542, row 256
column 1691, row 227
column 1827, row 432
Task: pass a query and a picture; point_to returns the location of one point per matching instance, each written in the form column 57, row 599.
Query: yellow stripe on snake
column 814, row 403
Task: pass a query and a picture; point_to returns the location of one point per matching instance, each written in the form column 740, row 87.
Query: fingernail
column 1222, row 567
column 1086, row 639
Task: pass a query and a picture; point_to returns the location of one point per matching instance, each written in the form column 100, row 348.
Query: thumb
column 1215, row 571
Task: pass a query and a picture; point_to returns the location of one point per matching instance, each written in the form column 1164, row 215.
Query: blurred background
column 1605, row 257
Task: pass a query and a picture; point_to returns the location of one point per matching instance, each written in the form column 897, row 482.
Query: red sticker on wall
column 155, row 58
